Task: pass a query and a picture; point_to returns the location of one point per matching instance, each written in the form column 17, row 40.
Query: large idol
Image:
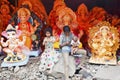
column 103, row 41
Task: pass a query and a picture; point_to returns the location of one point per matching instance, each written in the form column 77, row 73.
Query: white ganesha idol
column 13, row 47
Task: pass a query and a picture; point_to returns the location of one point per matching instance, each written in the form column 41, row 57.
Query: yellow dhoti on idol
column 28, row 42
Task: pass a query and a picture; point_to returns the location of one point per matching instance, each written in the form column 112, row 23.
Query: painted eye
column 8, row 34
column 13, row 33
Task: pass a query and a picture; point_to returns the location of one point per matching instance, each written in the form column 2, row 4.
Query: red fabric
column 28, row 28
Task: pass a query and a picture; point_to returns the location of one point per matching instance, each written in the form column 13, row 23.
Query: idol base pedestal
column 11, row 64
column 103, row 61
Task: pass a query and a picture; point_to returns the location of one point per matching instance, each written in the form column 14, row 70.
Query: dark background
column 111, row 6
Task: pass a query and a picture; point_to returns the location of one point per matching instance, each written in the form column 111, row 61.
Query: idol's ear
column 4, row 34
column 18, row 33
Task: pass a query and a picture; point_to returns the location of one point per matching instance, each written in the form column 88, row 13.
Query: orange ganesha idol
column 53, row 16
column 66, row 17
column 25, row 26
column 5, row 16
column 82, row 16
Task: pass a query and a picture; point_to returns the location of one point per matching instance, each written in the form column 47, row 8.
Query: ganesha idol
column 66, row 17
column 31, row 17
column 32, row 33
column 14, row 48
column 104, row 42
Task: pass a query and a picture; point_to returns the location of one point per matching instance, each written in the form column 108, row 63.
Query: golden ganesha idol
column 104, row 42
